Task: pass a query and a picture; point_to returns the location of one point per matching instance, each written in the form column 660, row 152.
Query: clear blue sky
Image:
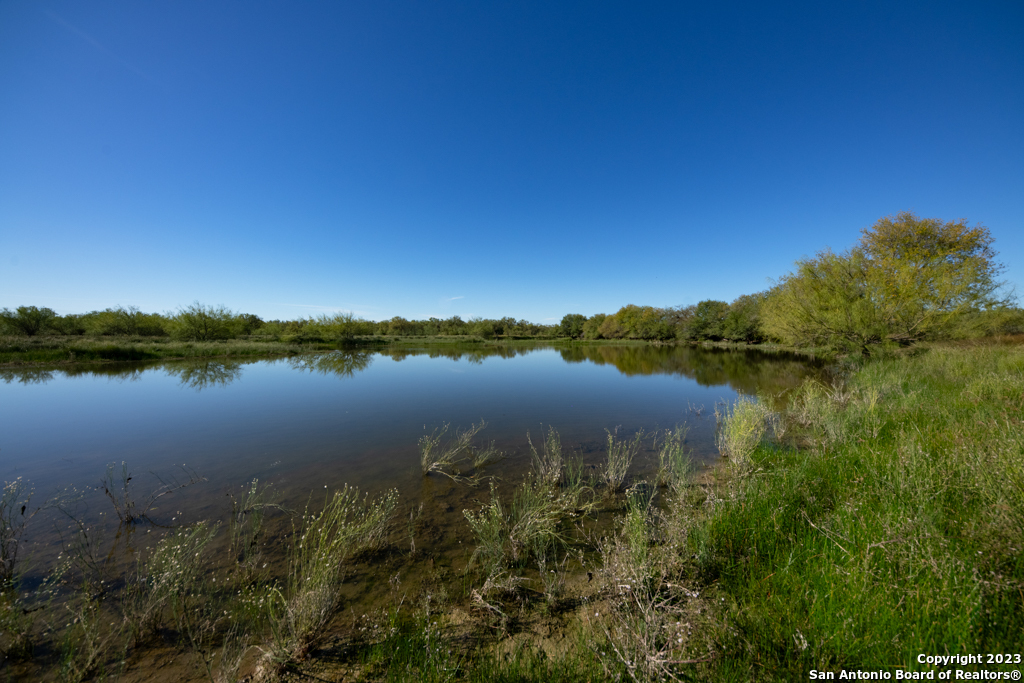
column 483, row 158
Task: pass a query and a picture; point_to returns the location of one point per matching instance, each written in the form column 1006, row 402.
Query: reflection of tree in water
column 340, row 363
column 26, row 375
column 201, row 375
column 745, row 371
column 471, row 353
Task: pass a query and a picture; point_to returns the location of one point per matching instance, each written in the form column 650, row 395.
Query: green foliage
column 899, row 522
column 908, row 279
column 572, row 326
column 708, row 320
column 592, row 327
column 27, row 320
column 620, row 456
column 347, row 525
column 743, row 320
column 197, row 322
column 126, row 321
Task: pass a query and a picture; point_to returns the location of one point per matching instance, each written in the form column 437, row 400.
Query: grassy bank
column 871, row 520
column 78, row 349
column 49, row 350
column 896, row 530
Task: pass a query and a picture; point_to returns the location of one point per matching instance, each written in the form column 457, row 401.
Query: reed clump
column 741, row 428
column 673, row 461
column 346, row 526
column 548, row 462
column 444, row 456
column 621, row 453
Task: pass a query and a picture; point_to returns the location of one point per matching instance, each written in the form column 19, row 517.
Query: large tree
column 925, row 274
column 907, row 279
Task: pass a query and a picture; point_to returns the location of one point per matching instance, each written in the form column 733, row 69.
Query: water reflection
column 746, row 371
column 473, row 353
column 339, row 363
column 201, row 375
column 23, row 376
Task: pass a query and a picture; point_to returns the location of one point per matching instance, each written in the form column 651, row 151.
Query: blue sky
column 491, row 159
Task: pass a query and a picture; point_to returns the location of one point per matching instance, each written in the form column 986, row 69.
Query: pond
column 356, row 417
column 308, row 425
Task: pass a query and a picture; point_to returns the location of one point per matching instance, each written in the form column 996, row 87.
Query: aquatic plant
column 620, row 456
column 346, row 526
column 547, row 464
column 673, row 462
column 741, row 428
column 14, row 504
column 168, row 579
column 441, row 458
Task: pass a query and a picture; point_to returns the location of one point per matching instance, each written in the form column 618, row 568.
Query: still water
column 309, row 422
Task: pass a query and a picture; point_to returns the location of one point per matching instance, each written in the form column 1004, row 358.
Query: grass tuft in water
column 741, row 428
column 346, row 526
column 621, row 453
column 548, row 462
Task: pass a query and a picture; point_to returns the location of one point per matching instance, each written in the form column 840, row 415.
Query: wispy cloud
column 97, row 44
column 453, row 298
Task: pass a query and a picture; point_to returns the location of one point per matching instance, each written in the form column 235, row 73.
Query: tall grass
column 621, row 453
column 673, row 462
column 896, row 530
column 443, row 456
column 347, row 525
column 548, row 462
column 167, row 581
column 741, row 428
column 14, row 504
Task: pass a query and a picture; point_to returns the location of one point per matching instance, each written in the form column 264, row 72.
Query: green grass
column 43, row 350
column 896, row 531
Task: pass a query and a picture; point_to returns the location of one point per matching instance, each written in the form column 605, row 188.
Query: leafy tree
column 572, row 325
column 482, row 328
column 68, row 325
column 907, row 279
column 27, row 320
column 203, row 323
column 708, row 320
column 453, row 326
column 247, row 323
column 592, row 328
column 925, row 274
column 679, row 319
column 743, row 320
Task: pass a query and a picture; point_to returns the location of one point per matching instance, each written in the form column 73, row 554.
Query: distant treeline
column 708, row 320
column 908, row 279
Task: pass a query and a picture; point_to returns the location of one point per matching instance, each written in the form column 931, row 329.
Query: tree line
column 908, row 279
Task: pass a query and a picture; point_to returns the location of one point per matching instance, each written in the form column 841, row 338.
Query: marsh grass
column 246, row 531
column 168, row 583
column 741, row 428
column 347, row 525
column 117, row 487
column 621, row 453
column 444, row 456
column 15, row 514
column 548, row 462
column 895, row 529
column 21, row 350
column 533, row 520
column 674, row 467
